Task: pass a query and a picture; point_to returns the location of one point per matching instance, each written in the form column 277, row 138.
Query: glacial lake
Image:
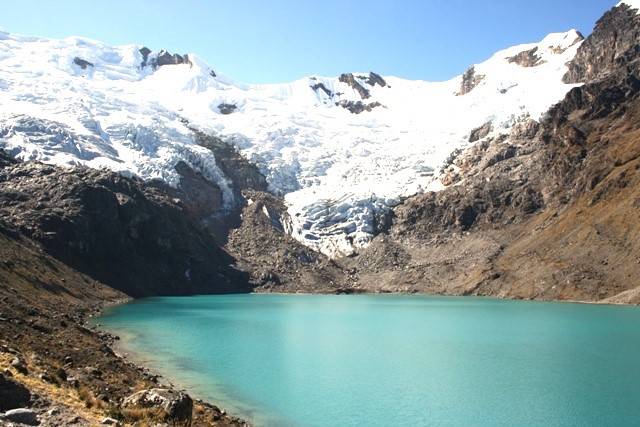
column 390, row 360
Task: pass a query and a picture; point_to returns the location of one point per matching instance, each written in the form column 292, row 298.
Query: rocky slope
column 276, row 261
column 549, row 211
column 56, row 371
column 126, row 233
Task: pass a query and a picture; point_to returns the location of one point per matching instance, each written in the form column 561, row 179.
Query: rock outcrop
column 84, row 64
column 469, row 81
column 12, row 394
column 375, row 79
column 350, row 79
column 480, row 132
column 320, row 86
column 276, row 261
column 614, row 41
column 162, row 58
column 527, row 58
column 356, row 82
column 227, row 108
column 357, row 107
column 166, row 58
column 122, row 231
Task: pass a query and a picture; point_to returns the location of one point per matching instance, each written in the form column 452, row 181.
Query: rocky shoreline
column 56, row 369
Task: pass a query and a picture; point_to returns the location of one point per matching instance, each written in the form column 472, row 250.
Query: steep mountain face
column 549, row 211
column 128, row 234
column 614, row 43
column 341, row 151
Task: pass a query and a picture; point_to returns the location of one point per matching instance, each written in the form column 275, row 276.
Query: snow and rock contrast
column 342, row 151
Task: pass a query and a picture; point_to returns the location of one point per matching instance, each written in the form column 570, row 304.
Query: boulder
column 165, row 404
column 19, row 365
column 12, row 394
column 22, row 416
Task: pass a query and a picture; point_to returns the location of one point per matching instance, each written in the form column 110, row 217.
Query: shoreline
column 124, row 348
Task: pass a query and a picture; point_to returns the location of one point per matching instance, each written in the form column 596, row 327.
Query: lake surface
column 311, row 360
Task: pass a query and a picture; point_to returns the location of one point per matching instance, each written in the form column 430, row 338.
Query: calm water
column 394, row 360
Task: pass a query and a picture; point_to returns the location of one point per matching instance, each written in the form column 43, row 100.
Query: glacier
column 341, row 150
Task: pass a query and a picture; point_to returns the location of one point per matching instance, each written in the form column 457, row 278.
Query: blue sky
column 268, row 41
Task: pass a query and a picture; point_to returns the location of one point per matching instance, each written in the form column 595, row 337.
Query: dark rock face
column 276, row 261
column 22, row 416
column 130, row 235
column 165, row 58
column 375, row 79
column 480, row 132
column 6, row 160
column 357, row 107
column 615, row 39
column 144, row 51
column 322, row 87
column 12, row 394
column 227, row 108
column 243, row 174
column 469, row 81
column 166, row 404
column 200, row 197
column 351, row 81
column 372, row 79
column 527, row 58
column 82, row 63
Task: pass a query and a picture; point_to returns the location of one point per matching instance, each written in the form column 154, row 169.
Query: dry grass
column 60, row 395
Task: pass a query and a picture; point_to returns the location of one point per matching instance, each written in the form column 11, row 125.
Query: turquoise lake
column 389, row 360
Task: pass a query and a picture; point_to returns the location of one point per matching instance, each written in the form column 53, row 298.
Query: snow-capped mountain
column 341, row 150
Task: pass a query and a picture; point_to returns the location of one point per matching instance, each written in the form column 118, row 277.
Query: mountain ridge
column 325, row 150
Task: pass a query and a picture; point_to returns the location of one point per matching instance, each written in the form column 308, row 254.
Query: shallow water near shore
column 380, row 360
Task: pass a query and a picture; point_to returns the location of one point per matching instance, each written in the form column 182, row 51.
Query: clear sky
column 269, row 41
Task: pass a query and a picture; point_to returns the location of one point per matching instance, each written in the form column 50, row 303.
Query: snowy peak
column 341, row 150
column 550, row 52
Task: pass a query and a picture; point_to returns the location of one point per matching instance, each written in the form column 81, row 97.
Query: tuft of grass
column 64, row 396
